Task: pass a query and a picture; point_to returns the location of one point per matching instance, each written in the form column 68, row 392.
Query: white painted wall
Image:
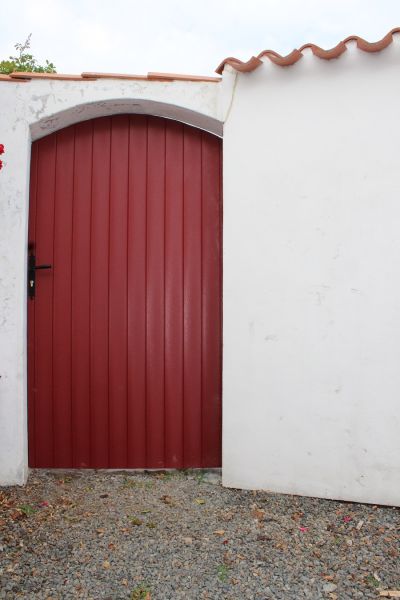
column 312, row 278
column 29, row 111
column 311, row 263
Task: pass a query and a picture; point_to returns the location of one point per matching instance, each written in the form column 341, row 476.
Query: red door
column 125, row 328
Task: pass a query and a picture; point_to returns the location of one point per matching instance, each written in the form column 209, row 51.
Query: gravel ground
column 181, row 535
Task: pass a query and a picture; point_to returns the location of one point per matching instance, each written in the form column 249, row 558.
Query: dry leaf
column 390, row 594
column 106, row 564
column 167, row 500
column 200, row 501
column 297, row 516
column 228, row 516
column 219, row 532
column 258, row 513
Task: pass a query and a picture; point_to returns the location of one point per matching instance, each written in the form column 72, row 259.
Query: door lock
column 32, row 268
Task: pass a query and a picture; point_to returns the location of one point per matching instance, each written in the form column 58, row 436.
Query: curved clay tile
column 239, row 65
column 295, row 55
column 373, row 46
column 326, row 54
column 282, row 61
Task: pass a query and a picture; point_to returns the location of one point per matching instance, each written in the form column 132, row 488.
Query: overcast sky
column 182, row 36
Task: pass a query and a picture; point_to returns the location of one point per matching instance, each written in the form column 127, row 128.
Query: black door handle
column 32, row 268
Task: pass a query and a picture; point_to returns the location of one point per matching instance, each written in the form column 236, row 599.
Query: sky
column 182, row 36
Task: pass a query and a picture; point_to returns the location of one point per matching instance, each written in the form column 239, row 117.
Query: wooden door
column 124, row 331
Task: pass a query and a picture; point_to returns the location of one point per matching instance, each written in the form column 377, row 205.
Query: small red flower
column 1, row 148
column 1, row 164
column 347, row 519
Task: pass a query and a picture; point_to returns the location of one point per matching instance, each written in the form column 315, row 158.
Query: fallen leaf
column 303, row 529
column 100, row 531
column 296, row 516
column 228, row 516
column 106, row 564
column 359, row 525
column 258, row 513
column 167, row 500
column 16, row 514
column 219, row 532
column 390, row 594
column 135, row 521
column 103, row 495
column 200, row 501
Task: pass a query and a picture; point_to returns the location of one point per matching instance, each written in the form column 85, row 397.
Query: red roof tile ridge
column 295, row 55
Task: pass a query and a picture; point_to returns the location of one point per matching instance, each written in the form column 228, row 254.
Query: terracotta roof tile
column 245, row 67
column 19, row 77
column 295, row 55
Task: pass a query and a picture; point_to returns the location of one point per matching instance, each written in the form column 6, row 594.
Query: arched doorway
column 124, row 330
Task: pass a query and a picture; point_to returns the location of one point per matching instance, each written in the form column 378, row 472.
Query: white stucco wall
column 311, row 261
column 312, row 278
column 28, row 111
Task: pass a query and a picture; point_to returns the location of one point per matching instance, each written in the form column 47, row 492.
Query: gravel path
column 181, row 535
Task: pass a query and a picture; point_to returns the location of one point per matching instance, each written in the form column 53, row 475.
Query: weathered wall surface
column 311, row 262
column 28, row 111
column 311, row 278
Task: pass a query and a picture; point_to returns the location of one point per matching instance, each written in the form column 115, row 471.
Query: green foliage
column 141, row 592
column 223, row 572
column 25, row 62
column 27, row 510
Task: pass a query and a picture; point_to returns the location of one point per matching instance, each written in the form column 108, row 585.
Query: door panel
column 124, row 332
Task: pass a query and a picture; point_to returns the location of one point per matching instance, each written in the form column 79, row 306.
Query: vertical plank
column 155, row 292
column 99, row 291
column 137, row 217
column 118, row 292
column 44, row 303
column 211, row 302
column 124, row 349
column 31, row 309
column 80, row 295
column 62, row 298
column 174, row 295
column 192, row 297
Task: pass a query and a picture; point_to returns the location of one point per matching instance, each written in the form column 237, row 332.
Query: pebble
column 329, row 587
column 122, row 535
